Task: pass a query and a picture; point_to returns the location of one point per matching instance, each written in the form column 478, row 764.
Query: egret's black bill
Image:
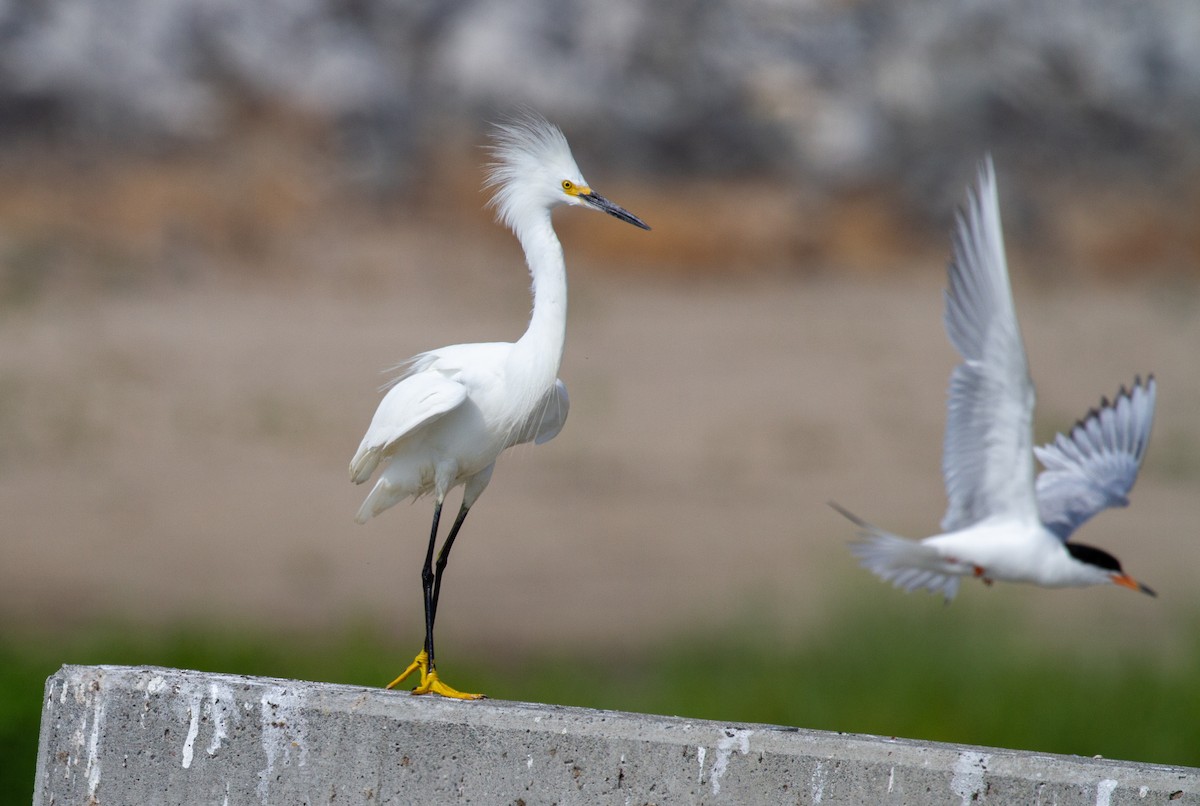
column 601, row 203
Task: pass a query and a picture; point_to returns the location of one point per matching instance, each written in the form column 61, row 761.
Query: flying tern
column 1001, row 523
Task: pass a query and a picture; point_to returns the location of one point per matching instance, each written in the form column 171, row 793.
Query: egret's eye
column 568, row 185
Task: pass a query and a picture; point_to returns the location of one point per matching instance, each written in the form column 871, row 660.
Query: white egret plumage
column 1001, row 524
column 452, row 411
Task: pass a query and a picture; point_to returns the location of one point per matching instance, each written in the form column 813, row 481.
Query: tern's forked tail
column 905, row 563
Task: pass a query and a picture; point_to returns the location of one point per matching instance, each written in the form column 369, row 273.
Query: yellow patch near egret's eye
column 572, row 189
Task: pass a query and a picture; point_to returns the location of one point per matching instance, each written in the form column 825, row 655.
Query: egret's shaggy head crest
column 531, row 161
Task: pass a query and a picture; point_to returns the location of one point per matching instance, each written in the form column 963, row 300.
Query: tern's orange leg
column 979, row 572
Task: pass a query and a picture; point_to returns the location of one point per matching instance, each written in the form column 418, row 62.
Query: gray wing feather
column 987, row 464
column 1095, row 466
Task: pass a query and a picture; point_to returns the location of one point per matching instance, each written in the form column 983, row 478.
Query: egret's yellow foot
column 420, row 663
column 431, row 683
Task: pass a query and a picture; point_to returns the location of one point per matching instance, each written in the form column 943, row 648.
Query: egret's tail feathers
column 364, row 513
column 363, row 465
column 382, row 496
column 373, row 505
column 905, row 563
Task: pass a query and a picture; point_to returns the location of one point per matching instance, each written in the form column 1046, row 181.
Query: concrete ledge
column 118, row 735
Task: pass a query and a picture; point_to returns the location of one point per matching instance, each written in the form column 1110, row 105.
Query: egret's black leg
column 423, row 663
column 427, row 580
column 430, row 586
column 444, row 555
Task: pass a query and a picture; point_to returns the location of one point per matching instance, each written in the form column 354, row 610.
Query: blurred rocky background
column 858, row 119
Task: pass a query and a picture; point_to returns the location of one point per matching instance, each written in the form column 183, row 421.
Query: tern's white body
column 1003, row 550
column 1001, row 523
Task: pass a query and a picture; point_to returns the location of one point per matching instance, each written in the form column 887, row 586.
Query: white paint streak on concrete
column 78, row 742
column 92, row 770
column 967, row 782
column 1104, row 791
column 193, row 729
column 153, row 686
column 221, row 709
column 733, row 740
column 284, row 733
column 701, row 752
column 817, row 784
column 891, row 779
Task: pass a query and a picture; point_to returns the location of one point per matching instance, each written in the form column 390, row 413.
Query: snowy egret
column 999, row 524
column 452, row 411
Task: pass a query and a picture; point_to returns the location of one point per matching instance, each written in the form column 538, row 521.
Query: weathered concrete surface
column 118, row 735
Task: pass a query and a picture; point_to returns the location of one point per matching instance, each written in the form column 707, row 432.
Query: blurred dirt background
column 194, row 322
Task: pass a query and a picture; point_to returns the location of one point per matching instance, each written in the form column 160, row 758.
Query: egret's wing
column 1095, row 466
column 414, row 401
column 458, row 362
column 986, row 461
column 547, row 419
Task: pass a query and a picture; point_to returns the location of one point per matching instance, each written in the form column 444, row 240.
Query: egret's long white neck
column 538, row 353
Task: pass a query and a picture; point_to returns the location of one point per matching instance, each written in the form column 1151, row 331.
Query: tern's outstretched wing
column 986, row 461
column 1095, row 466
